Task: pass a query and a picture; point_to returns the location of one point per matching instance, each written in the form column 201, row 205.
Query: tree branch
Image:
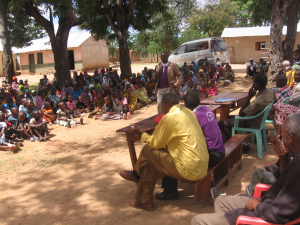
column 110, row 18
column 33, row 11
column 132, row 4
column 74, row 19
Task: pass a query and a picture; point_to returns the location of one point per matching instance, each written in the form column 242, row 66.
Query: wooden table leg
column 132, row 152
column 224, row 112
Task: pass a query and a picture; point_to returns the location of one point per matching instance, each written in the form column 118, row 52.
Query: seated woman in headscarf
column 142, row 95
column 131, row 99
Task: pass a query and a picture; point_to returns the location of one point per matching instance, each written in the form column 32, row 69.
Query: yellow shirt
column 291, row 79
column 180, row 131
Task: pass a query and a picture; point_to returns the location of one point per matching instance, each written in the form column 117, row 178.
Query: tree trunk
column 60, row 39
column 292, row 15
column 125, row 63
column 59, row 45
column 8, row 64
column 276, row 53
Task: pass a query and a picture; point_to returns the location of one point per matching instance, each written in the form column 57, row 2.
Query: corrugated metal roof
column 251, row 31
column 75, row 40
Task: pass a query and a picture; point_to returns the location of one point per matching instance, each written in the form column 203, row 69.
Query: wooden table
column 147, row 125
column 224, row 110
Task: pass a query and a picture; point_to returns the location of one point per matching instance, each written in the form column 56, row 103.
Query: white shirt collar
column 197, row 108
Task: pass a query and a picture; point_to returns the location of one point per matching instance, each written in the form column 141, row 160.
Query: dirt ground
column 73, row 178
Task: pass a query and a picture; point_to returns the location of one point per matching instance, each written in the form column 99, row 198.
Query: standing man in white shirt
column 168, row 78
column 251, row 68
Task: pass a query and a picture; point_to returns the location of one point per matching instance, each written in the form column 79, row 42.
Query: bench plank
column 222, row 171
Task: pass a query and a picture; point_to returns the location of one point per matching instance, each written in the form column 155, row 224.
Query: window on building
column 259, row 46
column 40, row 58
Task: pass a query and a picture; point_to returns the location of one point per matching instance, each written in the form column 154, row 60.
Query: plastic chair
column 258, row 132
column 248, row 220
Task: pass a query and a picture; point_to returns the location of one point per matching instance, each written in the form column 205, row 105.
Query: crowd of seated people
column 204, row 77
column 26, row 113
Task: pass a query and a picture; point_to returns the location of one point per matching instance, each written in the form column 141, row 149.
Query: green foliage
column 92, row 12
column 112, row 49
column 191, row 33
column 214, row 17
column 254, row 12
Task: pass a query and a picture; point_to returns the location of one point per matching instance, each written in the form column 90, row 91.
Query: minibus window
column 180, row 50
column 219, row 46
column 203, row 45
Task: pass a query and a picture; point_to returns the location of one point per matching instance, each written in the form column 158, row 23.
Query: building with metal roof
column 249, row 42
column 84, row 53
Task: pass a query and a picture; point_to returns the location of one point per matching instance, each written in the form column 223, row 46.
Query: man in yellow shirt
column 177, row 148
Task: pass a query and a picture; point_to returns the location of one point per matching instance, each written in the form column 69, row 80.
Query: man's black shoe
column 167, row 196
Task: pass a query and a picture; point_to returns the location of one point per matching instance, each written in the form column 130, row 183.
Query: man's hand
column 251, row 204
column 278, row 145
column 137, row 130
column 251, row 92
column 268, row 164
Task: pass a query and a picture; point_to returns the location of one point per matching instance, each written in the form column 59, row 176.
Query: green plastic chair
column 258, row 132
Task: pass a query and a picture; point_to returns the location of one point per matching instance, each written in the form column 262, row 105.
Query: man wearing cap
column 225, row 66
column 168, row 77
column 251, row 68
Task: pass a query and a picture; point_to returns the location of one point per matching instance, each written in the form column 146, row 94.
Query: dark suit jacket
column 281, row 204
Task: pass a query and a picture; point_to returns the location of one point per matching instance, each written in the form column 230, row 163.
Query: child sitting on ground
column 109, row 110
column 22, row 127
column 195, row 87
column 213, row 90
column 81, row 106
column 64, row 117
column 98, row 104
column 203, row 91
column 6, row 112
column 48, row 113
column 182, row 90
column 89, row 104
column 71, row 106
column 12, row 119
column 23, row 104
column 38, row 126
column 5, row 145
column 119, row 110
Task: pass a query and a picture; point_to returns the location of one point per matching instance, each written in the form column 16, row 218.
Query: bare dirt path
column 73, row 178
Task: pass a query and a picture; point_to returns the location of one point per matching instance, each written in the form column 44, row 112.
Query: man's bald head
column 168, row 101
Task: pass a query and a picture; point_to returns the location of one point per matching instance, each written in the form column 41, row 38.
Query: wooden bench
column 221, row 172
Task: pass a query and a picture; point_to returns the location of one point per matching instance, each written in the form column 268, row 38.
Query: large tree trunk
column 292, row 15
column 60, row 52
column 276, row 53
column 8, row 64
column 60, row 39
column 125, row 62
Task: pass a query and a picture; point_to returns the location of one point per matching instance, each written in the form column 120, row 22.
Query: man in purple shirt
column 214, row 141
column 168, row 78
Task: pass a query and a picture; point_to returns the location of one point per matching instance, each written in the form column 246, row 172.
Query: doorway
column 71, row 59
column 31, row 63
